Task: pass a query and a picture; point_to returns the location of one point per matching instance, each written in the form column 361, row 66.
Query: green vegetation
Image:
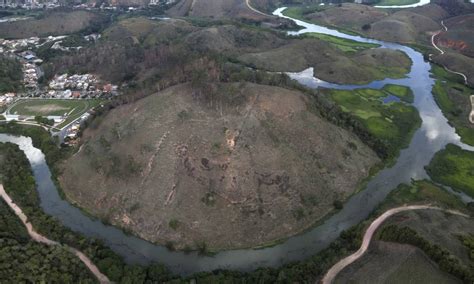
column 453, row 167
column 345, row 45
column 446, row 261
column 48, row 107
column 402, row 92
column 24, row 260
column 396, row 2
column 452, row 96
column 468, row 241
column 44, row 120
column 302, row 12
column 421, row 192
column 73, row 109
column 393, row 123
column 299, row 12
column 16, row 176
column 10, row 75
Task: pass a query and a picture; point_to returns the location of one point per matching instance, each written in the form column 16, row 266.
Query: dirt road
column 433, row 39
column 343, row 263
column 42, row 239
column 255, row 10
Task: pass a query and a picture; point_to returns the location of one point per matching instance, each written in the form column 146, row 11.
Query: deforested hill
column 228, row 165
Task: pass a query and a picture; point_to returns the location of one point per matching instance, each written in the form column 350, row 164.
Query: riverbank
column 42, row 239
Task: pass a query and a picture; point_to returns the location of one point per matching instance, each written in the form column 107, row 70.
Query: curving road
column 338, row 267
column 433, row 39
column 247, row 2
column 42, row 239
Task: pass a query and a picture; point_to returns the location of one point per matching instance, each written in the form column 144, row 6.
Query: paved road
column 343, row 263
column 42, row 239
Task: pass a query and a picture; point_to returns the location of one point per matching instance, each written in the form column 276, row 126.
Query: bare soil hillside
column 57, row 23
column 388, row 262
column 331, row 64
column 215, row 9
column 236, row 165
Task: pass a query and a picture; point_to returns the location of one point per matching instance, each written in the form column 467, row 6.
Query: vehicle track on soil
column 343, row 263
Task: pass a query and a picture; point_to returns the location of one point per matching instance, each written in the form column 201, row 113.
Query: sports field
column 48, row 107
column 69, row 109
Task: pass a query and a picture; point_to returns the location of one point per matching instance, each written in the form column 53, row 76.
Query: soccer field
column 51, row 107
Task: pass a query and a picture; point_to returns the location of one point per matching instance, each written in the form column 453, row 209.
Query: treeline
column 10, row 75
column 22, row 259
column 446, row 261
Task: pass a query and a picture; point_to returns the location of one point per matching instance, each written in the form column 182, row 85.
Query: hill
column 55, row 23
column 227, row 167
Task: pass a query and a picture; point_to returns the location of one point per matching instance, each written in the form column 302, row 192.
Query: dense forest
column 10, row 75
column 23, row 260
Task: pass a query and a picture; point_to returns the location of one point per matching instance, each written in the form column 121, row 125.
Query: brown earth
column 438, row 228
column 388, row 262
column 457, row 62
column 331, row 64
column 215, row 9
column 241, row 166
column 56, row 23
column 406, row 25
column 460, row 35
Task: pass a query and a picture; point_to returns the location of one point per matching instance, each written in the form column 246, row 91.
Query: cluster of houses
column 30, row 71
column 29, row 4
column 6, row 99
column 71, row 135
column 79, row 87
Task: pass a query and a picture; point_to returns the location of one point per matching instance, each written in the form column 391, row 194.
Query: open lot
column 69, row 109
column 50, row 107
column 388, row 262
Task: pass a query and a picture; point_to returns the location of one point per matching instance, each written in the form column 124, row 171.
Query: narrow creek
column 432, row 136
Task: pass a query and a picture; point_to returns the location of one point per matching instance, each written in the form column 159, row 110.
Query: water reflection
column 433, row 135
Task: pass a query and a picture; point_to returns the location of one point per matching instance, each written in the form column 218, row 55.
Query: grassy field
column 73, row 109
column 454, row 167
column 345, row 45
column 402, row 92
column 396, row 2
column 393, row 123
column 46, row 107
column 453, row 99
column 421, row 192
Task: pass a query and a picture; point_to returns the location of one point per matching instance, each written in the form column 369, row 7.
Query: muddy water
column 433, row 135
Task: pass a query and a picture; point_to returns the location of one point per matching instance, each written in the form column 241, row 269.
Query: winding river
column 432, row 136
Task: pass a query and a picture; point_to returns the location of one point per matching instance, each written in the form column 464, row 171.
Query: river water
column 432, row 136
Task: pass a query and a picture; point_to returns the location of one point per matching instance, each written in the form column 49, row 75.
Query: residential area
column 64, row 102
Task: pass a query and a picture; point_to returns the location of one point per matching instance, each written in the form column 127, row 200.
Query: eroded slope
column 241, row 166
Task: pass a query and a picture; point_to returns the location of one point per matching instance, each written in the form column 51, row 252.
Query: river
column 433, row 135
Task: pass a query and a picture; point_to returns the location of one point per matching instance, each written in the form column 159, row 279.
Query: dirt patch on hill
column 58, row 23
column 241, row 166
column 394, row 263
